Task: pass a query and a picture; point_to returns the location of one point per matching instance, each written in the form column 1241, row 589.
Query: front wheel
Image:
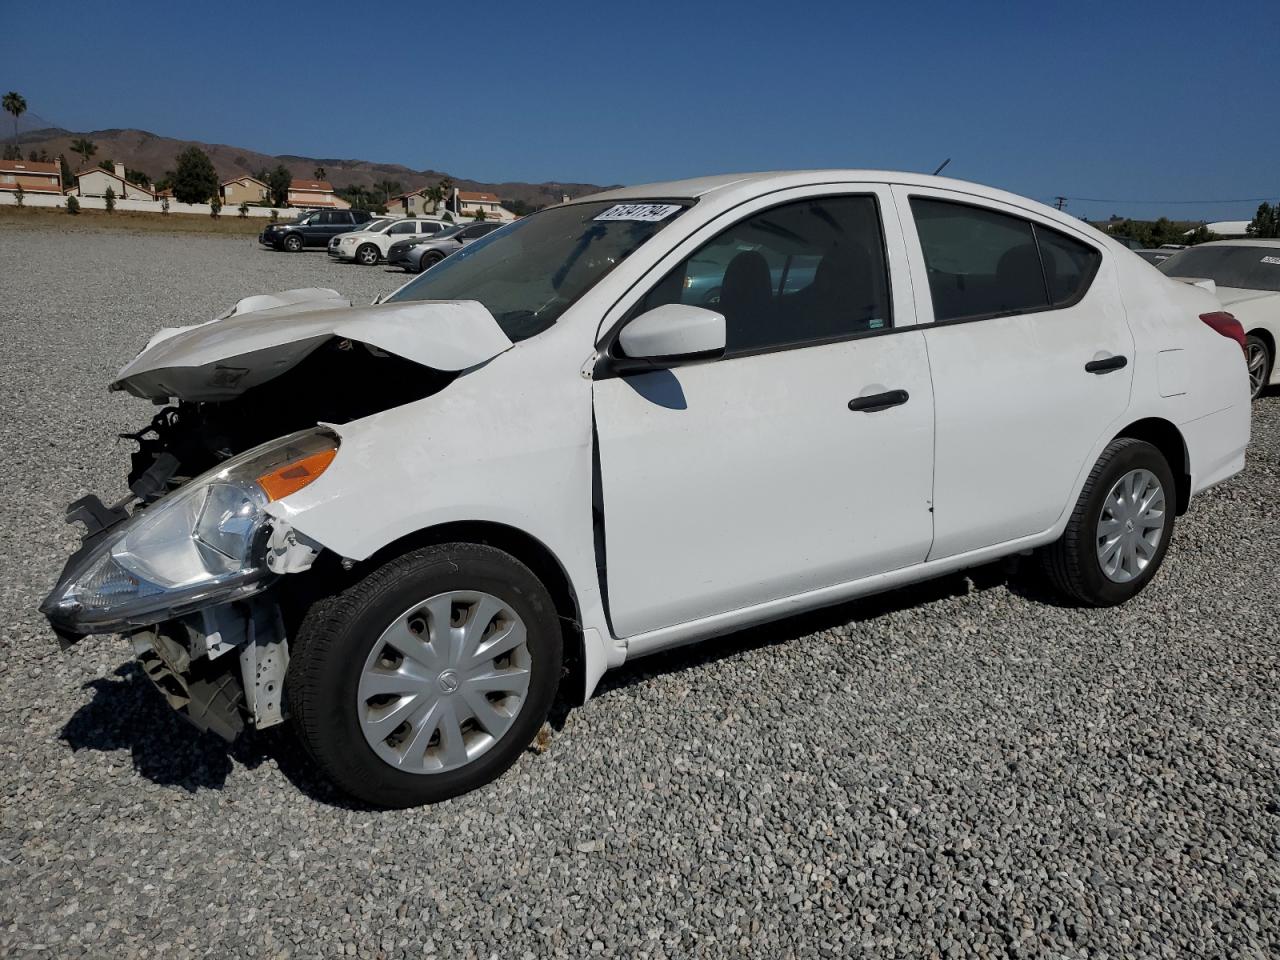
column 1120, row 528
column 427, row 678
column 1260, row 361
column 293, row 243
column 367, row 255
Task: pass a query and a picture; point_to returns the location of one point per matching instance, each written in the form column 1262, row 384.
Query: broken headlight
column 204, row 543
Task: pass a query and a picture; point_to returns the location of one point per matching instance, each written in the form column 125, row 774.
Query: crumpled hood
column 264, row 336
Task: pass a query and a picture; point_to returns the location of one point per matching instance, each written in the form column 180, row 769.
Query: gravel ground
column 957, row 769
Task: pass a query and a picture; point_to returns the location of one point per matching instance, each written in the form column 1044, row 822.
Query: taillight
column 1227, row 325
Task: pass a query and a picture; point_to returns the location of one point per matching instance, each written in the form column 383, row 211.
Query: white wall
column 146, row 206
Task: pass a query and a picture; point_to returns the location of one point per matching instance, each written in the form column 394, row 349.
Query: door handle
column 1103, row 366
column 879, row 401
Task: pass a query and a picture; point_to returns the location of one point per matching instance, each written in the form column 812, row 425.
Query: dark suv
column 314, row 228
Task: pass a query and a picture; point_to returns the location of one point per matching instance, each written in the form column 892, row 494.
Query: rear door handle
column 879, row 401
column 1102, row 366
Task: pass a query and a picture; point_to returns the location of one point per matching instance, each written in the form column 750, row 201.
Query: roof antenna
column 944, row 163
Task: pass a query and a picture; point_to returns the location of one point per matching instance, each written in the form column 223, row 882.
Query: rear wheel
column 293, row 243
column 367, row 255
column 1260, row 361
column 429, row 259
column 1119, row 532
column 427, row 678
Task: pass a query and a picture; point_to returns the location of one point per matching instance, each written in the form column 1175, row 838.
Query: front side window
column 984, row 264
column 798, row 273
column 528, row 274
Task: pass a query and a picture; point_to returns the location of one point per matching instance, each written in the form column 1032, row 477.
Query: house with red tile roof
column 32, row 175
column 315, row 193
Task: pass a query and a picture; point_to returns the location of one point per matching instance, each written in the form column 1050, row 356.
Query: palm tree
column 318, row 173
column 85, row 147
column 388, row 188
column 434, row 196
column 15, row 103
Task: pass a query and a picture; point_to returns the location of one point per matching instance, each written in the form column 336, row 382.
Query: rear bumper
column 1216, row 445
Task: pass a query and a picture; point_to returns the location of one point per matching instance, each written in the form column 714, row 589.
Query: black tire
column 1255, row 346
column 429, row 259
column 1071, row 564
column 292, row 243
column 367, row 255
column 338, row 633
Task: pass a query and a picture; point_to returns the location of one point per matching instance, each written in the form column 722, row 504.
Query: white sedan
column 369, row 245
column 1245, row 277
column 630, row 422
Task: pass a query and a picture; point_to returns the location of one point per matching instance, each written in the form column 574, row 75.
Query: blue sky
column 1121, row 101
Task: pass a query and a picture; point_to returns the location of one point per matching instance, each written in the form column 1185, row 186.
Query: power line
column 1238, row 200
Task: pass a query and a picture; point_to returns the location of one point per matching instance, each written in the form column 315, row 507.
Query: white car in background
column 1245, row 277
column 369, row 245
column 543, row 452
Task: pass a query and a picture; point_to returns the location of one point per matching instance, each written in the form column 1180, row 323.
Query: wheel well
column 530, row 551
column 1166, row 438
column 1263, row 334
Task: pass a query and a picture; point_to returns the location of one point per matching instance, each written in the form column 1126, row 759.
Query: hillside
column 154, row 154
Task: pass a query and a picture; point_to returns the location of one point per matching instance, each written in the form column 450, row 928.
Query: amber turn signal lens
column 292, row 477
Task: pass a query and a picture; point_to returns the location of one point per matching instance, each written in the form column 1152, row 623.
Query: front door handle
column 879, row 401
column 1103, row 366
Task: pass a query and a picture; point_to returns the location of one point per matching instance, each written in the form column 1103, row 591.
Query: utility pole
column 1060, row 202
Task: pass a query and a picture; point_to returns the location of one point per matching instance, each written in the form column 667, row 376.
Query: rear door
column 768, row 473
column 1031, row 358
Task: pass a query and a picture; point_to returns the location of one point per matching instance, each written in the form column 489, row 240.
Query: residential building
column 94, row 182
column 245, row 189
column 411, row 205
column 466, row 203
column 315, row 193
column 31, row 175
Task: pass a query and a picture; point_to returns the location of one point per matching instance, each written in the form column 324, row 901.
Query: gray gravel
column 958, row 769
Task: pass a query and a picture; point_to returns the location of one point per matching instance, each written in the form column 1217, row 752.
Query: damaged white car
column 629, row 422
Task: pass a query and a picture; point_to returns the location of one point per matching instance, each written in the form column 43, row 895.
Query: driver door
column 760, row 475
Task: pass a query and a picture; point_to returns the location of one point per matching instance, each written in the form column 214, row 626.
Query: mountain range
column 155, row 155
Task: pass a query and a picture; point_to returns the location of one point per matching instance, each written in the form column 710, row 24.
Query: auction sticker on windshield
column 1275, row 260
column 648, row 212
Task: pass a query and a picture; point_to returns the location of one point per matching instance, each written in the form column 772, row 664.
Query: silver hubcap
column 1257, row 360
column 368, row 256
column 1131, row 525
column 444, row 682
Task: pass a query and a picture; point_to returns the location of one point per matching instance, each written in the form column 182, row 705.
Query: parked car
column 369, row 245
column 313, row 228
column 1245, row 277
column 418, row 253
column 1129, row 242
column 543, row 455
column 1155, row 255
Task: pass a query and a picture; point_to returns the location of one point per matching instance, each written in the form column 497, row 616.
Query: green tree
column 435, row 196
column 12, row 152
column 109, row 200
column 215, row 206
column 15, row 104
column 195, row 180
column 479, row 214
column 85, row 147
column 39, row 156
column 387, row 188
column 275, row 215
column 278, row 181
column 1200, row 234
column 164, row 204
column 73, row 206
column 19, row 195
column 318, row 173
column 68, row 178
column 1266, row 222
column 243, row 208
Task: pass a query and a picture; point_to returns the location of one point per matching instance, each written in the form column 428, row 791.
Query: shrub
column 215, row 207
column 275, row 215
column 244, row 208
column 73, row 205
column 109, row 199
column 19, row 195
column 164, row 204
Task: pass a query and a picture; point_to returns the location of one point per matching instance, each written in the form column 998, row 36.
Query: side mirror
column 670, row 335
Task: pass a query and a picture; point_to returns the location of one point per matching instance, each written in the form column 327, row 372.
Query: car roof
column 1255, row 242
column 731, row 187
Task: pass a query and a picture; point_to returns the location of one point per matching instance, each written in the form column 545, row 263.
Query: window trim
column 607, row 345
column 1036, row 226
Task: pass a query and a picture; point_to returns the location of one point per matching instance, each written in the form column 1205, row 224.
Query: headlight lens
column 202, row 544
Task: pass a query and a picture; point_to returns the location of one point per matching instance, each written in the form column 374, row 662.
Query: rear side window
column 799, row 273
column 983, row 264
column 403, row 227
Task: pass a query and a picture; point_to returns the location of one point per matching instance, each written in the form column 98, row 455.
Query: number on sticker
column 647, row 212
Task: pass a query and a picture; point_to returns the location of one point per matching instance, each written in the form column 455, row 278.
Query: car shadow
column 126, row 711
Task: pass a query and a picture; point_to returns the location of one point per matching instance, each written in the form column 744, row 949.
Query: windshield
column 1252, row 268
column 530, row 271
